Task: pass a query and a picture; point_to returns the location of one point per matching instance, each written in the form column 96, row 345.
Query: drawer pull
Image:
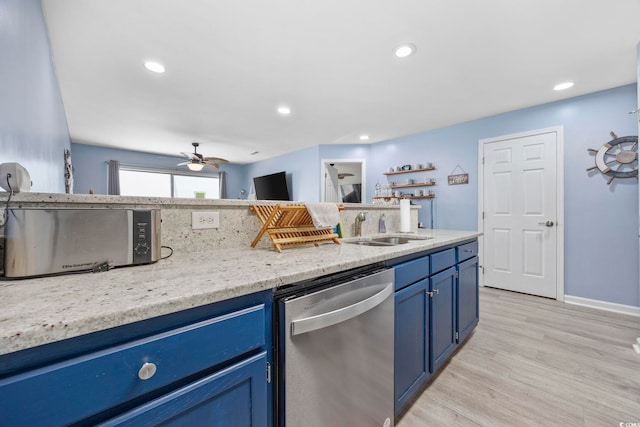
column 468, row 250
column 147, row 371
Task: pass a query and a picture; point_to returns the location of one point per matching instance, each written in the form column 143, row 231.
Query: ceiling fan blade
column 215, row 159
column 196, row 157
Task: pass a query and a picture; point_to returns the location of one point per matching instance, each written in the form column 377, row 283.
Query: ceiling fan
column 196, row 161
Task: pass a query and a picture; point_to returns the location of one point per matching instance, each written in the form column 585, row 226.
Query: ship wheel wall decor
column 617, row 158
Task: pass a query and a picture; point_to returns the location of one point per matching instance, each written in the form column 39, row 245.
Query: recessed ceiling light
column 563, row 86
column 364, row 137
column 404, row 50
column 284, row 110
column 156, row 67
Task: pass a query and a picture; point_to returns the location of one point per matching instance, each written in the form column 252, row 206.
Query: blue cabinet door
column 233, row 397
column 411, row 342
column 66, row 392
column 467, row 294
column 443, row 315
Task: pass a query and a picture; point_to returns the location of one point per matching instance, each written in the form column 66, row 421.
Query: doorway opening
column 343, row 180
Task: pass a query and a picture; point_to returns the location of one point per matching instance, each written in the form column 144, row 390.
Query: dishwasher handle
column 319, row 321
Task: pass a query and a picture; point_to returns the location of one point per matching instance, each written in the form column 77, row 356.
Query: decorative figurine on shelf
column 617, row 158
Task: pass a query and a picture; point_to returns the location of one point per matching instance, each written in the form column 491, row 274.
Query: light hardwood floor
column 537, row 362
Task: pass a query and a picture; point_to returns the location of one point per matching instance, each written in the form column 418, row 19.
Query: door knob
column 548, row 223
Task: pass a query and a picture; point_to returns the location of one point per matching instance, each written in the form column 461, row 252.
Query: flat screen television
column 271, row 187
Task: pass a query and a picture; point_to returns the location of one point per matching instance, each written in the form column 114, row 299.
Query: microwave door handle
column 319, row 321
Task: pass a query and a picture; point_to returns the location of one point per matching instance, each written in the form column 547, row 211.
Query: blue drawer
column 442, row 260
column 51, row 395
column 410, row 272
column 467, row 251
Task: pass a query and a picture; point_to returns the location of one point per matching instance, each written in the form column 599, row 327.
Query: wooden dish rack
column 289, row 225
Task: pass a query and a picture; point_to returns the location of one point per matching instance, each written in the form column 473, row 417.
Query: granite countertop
column 44, row 310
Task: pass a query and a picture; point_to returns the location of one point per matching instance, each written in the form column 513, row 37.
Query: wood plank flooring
column 536, row 362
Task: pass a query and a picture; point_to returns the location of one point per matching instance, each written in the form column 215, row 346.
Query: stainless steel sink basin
column 391, row 240
column 368, row 243
column 384, row 241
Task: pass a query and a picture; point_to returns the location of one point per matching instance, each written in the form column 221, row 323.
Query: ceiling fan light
column 195, row 166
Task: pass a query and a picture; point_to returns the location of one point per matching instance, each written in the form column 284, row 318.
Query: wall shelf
column 429, row 183
column 409, row 171
column 417, row 184
column 426, row 196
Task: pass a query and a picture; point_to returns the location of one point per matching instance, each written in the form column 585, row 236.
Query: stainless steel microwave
column 53, row 241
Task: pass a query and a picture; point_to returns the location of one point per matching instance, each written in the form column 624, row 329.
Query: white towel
column 323, row 215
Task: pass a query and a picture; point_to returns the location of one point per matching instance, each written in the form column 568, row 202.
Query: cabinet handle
column 468, row 250
column 147, row 371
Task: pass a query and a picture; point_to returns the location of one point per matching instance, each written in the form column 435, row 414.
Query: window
column 135, row 181
column 196, row 186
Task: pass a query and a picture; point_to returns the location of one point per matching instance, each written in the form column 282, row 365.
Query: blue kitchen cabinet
column 234, row 397
column 411, row 330
column 443, row 316
column 411, row 342
column 210, row 361
column 436, row 308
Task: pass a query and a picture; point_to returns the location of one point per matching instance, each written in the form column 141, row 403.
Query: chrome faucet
column 359, row 218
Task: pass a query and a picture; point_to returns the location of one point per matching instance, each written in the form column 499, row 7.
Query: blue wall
column 302, row 168
column 33, row 125
column 90, row 167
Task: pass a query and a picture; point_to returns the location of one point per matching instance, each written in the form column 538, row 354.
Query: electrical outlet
column 202, row 220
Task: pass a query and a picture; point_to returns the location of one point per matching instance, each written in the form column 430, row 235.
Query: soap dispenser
column 382, row 224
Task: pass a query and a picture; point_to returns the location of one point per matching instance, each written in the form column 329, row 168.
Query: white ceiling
column 231, row 63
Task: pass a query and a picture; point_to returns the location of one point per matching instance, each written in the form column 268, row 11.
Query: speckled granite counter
column 40, row 311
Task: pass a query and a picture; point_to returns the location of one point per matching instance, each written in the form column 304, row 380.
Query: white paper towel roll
column 405, row 215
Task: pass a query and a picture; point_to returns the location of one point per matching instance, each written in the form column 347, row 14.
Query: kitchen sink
column 368, row 242
column 384, row 241
column 391, row 239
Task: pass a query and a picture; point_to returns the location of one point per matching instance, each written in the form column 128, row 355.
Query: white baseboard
column 603, row 305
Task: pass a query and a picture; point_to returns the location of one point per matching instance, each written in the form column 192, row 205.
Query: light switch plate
column 203, row 220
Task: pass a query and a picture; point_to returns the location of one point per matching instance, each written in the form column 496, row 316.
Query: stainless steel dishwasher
column 334, row 350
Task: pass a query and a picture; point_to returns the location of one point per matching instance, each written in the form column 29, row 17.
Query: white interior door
column 520, row 213
column 331, row 184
